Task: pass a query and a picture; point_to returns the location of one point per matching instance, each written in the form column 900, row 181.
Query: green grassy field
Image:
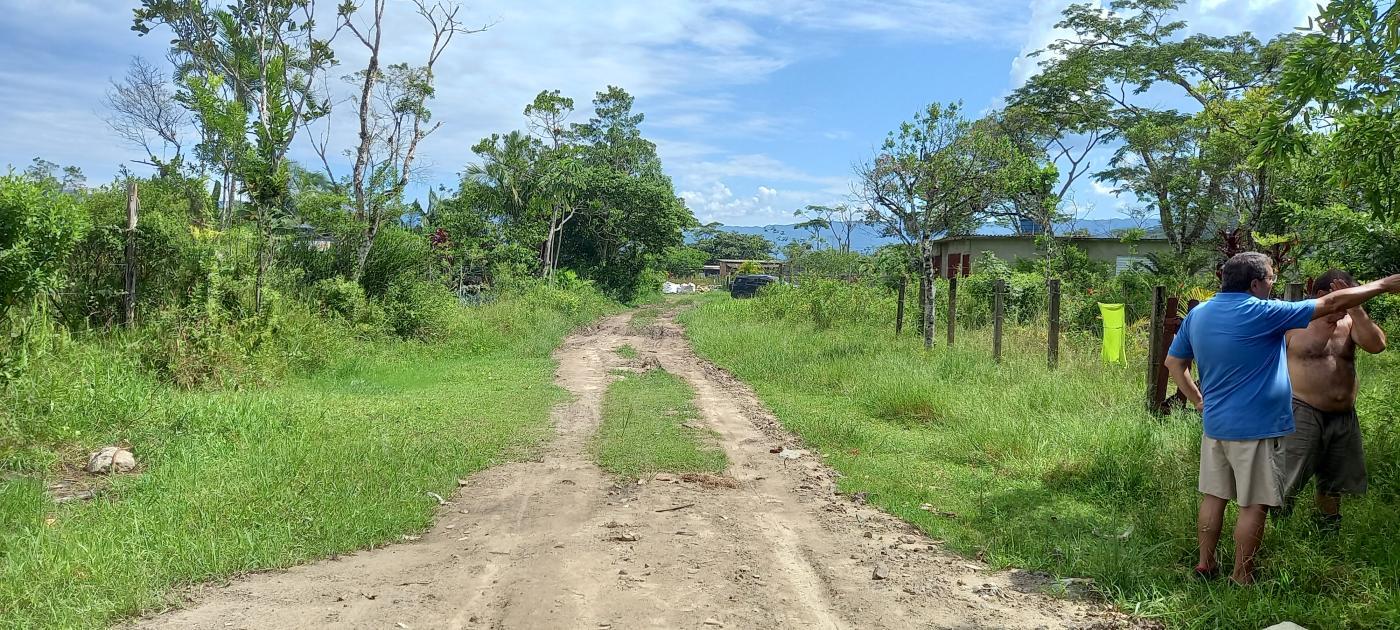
column 237, row 481
column 644, row 432
column 1057, row 471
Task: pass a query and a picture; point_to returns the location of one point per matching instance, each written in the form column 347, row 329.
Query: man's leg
column 1249, row 533
column 1209, row 521
column 1329, row 504
column 1341, row 467
column 1258, row 465
column 1217, row 487
column 1301, row 451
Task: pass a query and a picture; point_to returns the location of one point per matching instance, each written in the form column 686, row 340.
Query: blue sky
column 757, row 107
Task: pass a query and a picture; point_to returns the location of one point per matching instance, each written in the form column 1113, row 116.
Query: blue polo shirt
column 1236, row 340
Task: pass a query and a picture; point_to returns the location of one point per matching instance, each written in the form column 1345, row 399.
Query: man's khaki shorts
column 1250, row 472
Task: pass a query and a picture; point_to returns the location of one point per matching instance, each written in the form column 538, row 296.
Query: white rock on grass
column 111, row 459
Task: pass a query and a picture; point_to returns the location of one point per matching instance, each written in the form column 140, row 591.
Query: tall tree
column 144, row 112
column 1098, row 74
column 840, row 220
column 270, row 54
column 392, row 110
column 726, row 245
column 629, row 213
column 937, row 174
column 547, row 115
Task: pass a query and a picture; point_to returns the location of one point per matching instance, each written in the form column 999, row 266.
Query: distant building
column 955, row 255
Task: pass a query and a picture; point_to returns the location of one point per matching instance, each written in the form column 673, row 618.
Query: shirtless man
column 1322, row 368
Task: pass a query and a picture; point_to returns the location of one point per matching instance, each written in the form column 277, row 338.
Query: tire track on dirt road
column 557, row 543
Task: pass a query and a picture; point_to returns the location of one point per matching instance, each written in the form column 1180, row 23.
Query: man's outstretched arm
column 1180, row 369
column 1352, row 297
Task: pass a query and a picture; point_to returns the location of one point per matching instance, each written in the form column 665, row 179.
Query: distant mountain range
column 866, row 239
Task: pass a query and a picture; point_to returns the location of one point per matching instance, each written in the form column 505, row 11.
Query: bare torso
column 1322, row 364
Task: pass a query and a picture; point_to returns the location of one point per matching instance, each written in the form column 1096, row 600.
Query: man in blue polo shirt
column 1236, row 339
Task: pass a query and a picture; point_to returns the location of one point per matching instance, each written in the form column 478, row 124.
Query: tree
column 841, row 220
column 726, row 245
column 145, row 113
column 268, row 54
column 393, row 115
column 547, row 115
column 1056, row 139
column 1164, row 157
column 505, row 182
column 683, row 262
column 1345, row 69
column 937, row 174
column 628, row 212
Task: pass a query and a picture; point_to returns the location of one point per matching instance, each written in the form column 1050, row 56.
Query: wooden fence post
column 1154, row 341
column 952, row 308
column 899, row 307
column 133, row 206
column 1054, row 323
column 997, row 316
column 1294, row 292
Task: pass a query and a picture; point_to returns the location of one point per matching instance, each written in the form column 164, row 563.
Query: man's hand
column 1391, row 283
column 1200, row 405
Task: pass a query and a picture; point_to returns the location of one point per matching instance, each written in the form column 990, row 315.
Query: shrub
column 749, row 267
column 171, row 245
column 339, row 296
column 1025, row 299
column 415, row 309
column 39, row 226
column 211, row 340
column 684, row 262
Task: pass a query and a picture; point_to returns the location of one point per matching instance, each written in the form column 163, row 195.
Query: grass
column 239, row 481
column 626, row 351
column 1057, row 471
column 644, row 429
column 644, row 317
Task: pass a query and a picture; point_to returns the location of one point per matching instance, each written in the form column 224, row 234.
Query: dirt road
column 556, row 543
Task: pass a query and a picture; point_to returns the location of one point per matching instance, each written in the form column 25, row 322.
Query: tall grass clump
column 1059, row 471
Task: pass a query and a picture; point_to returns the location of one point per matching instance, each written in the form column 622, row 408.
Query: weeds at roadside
column 626, row 351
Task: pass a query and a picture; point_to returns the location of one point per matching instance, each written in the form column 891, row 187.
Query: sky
column 757, row 107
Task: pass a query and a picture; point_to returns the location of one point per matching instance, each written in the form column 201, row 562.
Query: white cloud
column 764, row 206
column 1102, row 188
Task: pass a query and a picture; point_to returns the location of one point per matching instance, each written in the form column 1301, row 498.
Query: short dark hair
column 1323, row 283
column 1242, row 270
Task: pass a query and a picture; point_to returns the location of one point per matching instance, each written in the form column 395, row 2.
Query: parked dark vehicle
column 748, row 286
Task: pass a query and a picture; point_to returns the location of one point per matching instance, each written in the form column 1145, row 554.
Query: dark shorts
column 1326, row 445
